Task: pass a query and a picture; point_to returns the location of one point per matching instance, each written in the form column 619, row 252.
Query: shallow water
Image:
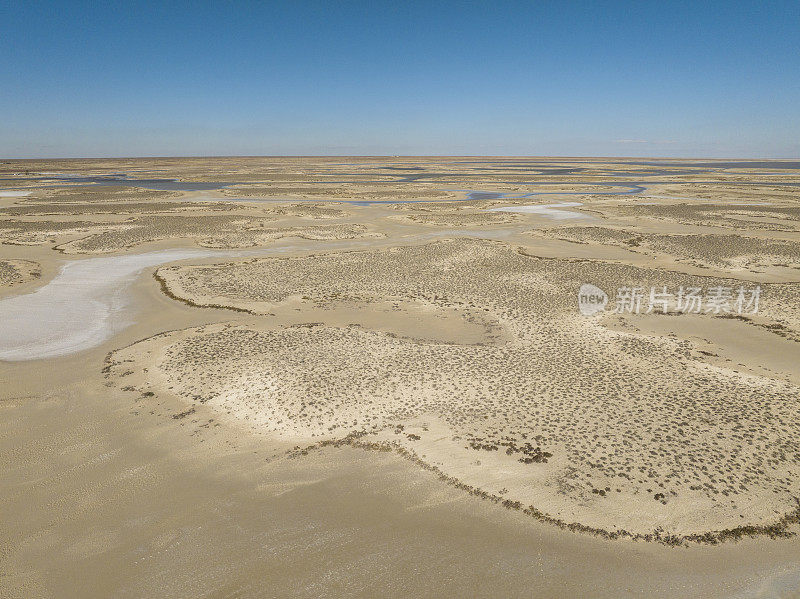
column 470, row 195
column 80, row 308
column 123, row 181
column 626, row 187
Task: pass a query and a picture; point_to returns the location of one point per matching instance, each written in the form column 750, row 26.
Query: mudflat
column 373, row 376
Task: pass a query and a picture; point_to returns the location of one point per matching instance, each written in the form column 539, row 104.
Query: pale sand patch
column 553, row 211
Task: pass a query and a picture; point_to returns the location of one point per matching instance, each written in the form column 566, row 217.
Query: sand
column 395, row 398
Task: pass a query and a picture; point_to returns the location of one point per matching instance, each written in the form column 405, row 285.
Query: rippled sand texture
column 607, row 430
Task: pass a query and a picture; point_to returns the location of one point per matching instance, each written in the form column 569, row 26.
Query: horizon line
column 512, row 156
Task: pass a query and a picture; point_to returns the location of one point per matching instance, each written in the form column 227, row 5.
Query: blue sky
column 704, row 79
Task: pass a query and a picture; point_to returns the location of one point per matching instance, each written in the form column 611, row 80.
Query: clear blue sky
column 706, row 79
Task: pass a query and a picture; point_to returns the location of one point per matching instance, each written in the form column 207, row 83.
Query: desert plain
column 370, row 376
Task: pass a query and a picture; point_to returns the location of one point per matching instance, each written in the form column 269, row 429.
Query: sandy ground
column 629, row 435
column 323, row 423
